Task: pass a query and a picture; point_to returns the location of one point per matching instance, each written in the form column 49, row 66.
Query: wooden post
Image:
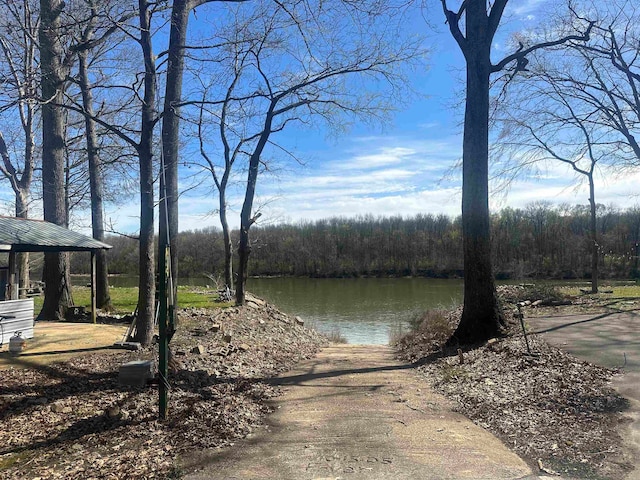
column 94, row 314
column 12, row 284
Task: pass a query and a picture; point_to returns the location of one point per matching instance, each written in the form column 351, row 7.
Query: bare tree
column 606, row 77
column 95, row 164
column 144, row 148
column 137, row 118
column 554, row 129
column 221, row 178
column 54, row 69
column 482, row 317
column 286, row 63
column 176, row 52
column 20, row 79
column 579, row 104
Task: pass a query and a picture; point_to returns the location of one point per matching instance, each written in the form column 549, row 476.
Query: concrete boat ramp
column 354, row 412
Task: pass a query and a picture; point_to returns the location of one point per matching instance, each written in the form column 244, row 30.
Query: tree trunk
column 593, row 230
column 22, row 260
column 147, row 284
column 246, row 220
column 244, row 247
column 482, row 316
column 171, row 129
column 103, row 299
column 226, row 236
column 56, row 265
column 244, row 250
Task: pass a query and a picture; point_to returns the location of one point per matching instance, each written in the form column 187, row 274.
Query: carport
column 19, row 235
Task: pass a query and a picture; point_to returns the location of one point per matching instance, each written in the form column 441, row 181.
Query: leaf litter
column 557, row 412
column 73, row 420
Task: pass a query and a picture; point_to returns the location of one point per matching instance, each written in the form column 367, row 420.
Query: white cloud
column 446, row 201
column 386, row 156
column 381, row 176
column 525, row 8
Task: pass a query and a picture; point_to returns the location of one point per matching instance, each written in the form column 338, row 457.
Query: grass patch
column 539, row 291
column 429, row 333
column 619, row 291
column 335, row 336
column 434, row 323
column 451, row 373
column 8, row 461
column 125, row 299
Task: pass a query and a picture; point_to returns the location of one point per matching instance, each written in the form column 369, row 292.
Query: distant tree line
column 539, row 241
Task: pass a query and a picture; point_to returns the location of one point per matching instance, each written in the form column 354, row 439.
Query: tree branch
column 519, row 56
column 453, row 19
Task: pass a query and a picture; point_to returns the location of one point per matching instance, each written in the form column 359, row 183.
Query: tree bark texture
column 56, row 265
column 244, row 247
column 147, row 285
column 226, row 236
column 103, row 299
column 22, row 259
column 171, row 130
column 482, row 316
column 593, row 230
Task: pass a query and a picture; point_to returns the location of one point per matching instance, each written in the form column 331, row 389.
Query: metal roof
column 26, row 235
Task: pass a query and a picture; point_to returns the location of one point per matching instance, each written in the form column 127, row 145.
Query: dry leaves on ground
column 73, row 420
column 549, row 407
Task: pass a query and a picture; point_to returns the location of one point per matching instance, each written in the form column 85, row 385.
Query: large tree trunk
column 147, row 284
column 56, row 265
column 171, row 129
column 482, row 316
column 593, row 231
column 103, row 299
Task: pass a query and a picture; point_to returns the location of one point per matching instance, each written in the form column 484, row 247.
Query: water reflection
column 365, row 310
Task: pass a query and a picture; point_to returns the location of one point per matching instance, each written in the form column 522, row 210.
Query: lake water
column 363, row 310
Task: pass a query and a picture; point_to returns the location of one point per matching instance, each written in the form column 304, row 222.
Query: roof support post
column 12, row 283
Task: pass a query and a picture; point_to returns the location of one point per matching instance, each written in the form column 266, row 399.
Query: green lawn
column 619, row 291
column 125, row 299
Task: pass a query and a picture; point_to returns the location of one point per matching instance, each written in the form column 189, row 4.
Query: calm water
column 364, row 310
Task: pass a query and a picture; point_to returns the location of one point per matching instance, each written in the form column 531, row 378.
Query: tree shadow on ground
column 58, row 381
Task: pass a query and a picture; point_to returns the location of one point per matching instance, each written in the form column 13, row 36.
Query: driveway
column 610, row 339
column 354, row 412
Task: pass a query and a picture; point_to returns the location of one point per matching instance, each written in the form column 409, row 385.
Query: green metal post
column 162, row 326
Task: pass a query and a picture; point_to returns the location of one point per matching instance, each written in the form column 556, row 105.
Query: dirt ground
column 60, row 341
column 610, row 338
column 74, row 420
column 355, row 412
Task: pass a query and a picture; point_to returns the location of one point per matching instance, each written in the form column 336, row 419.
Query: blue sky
column 405, row 166
column 401, row 168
